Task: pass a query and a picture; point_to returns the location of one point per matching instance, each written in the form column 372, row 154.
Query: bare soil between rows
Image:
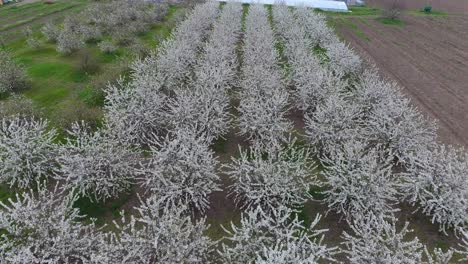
column 428, row 57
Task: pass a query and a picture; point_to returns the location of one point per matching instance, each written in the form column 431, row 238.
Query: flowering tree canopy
column 27, row 150
column 45, row 228
column 96, row 164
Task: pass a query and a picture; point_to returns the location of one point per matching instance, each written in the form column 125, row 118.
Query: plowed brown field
column 428, row 57
column 451, row 6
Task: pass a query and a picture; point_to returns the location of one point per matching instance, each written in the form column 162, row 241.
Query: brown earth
column 450, row 6
column 428, row 56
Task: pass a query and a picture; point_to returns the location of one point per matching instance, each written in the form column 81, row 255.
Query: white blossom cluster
column 138, row 111
column 27, row 151
column 341, row 59
column 364, row 129
column 334, row 122
column 218, row 66
column 13, row 76
column 43, row 227
column 182, row 171
column 274, row 237
column 311, row 81
column 95, row 164
column 157, row 235
column 272, row 177
column 375, row 240
column 359, row 181
column 171, row 68
column 50, row 31
column 437, row 182
column 202, row 109
column 315, row 26
column 390, row 119
column 263, row 97
column 107, row 46
column 110, row 17
column 375, row 112
column 464, row 246
column 122, row 19
column 69, row 41
column 203, row 105
column 134, row 112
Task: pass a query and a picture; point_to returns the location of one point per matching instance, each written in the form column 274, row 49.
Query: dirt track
column 450, row 6
column 429, row 58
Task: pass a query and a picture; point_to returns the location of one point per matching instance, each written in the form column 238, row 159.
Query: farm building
column 6, row 1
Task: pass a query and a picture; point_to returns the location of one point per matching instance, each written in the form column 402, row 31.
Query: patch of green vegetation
column 362, row 35
column 9, row 9
column 245, row 11
column 364, row 20
column 303, row 215
column 321, row 53
column 58, row 83
column 6, row 193
column 163, row 30
column 317, row 193
column 364, row 10
column 356, row 30
column 16, row 15
column 215, row 231
column 391, row 22
column 332, row 22
column 56, row 8
column 108, row 57
column 279, row 45
column 92, row 97
column 442, row 245
column 354, row 11
column 56, row 70
column 219, row 145
column 101, row 210
column 48, row 96
column 423, row 13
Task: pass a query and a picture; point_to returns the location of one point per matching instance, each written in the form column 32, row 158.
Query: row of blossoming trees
column 374, row 148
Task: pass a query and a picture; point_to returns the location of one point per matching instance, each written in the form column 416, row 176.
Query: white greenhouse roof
column 326, row 5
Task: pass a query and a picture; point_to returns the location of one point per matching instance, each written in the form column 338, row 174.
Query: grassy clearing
column 338, row 20
column 354, row 11
column 15, row 19
column 102, row 211
column 422, row 13
column 367, row 13
column 57, row 83
column 362, row 14
column 12, row 17
column 349, row 23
